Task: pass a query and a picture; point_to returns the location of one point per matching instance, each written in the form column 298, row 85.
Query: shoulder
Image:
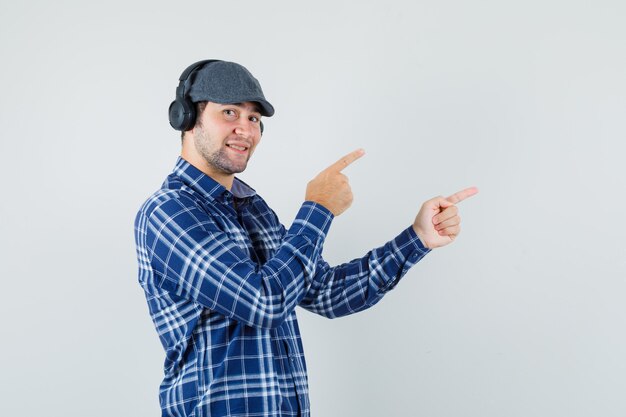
column 172, row 199
column 165, row 198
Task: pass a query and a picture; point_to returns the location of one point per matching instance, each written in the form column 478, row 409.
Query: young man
column 223, row 277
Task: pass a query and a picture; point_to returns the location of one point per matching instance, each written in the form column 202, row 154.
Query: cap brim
column 265, row 108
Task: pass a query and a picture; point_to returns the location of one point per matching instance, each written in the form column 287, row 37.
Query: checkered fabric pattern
column 222, row 278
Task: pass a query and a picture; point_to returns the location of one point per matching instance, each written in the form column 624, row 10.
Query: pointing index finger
column 346, row 160
column 462, row 195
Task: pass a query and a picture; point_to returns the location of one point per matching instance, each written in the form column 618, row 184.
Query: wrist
column 322, row 203
column 421, row 236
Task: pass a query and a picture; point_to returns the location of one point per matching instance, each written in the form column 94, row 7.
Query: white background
column 523, row 315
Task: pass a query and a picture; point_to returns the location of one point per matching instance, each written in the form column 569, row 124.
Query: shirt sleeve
column 359, row 284
column 193, row 258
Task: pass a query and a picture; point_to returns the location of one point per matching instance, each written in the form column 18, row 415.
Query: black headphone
column 182, row 111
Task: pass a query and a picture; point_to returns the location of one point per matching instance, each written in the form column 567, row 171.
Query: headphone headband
column 185, row 77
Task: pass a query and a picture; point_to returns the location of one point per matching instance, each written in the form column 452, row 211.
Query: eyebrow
column 255, row 106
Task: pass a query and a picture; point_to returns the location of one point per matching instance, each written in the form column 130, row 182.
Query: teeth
column 239, row 148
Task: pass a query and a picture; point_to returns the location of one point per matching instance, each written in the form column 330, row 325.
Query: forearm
column 361, row 283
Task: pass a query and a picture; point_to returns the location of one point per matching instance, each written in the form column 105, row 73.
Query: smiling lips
column 241, row 149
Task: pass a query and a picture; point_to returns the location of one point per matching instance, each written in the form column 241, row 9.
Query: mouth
column 241, row 149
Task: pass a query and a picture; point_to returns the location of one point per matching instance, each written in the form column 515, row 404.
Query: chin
column 234, row 170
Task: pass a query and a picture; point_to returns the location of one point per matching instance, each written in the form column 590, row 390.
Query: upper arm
column 196, row 257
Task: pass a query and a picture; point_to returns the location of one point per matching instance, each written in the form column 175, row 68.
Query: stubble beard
column 217, row 158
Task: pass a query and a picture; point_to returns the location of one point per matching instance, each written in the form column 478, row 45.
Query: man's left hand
column 438, row 223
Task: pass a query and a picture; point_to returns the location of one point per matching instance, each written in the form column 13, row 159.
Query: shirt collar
column 207, row 186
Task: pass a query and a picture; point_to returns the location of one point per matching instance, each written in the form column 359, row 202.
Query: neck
column 197, row 161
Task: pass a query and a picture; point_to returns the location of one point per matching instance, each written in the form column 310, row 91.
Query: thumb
column 445, row 203
column 439, row 203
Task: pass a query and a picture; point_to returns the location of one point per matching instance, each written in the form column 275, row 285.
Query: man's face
column 226, row 135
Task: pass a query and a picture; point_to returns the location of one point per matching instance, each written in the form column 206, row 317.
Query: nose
column 244, row 129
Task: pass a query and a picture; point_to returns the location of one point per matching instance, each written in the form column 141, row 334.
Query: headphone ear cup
column 182, row 114
column 262, row 127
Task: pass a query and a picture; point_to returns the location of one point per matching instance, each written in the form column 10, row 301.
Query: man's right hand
column 331, row 188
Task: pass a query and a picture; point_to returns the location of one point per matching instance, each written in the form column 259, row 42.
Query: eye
column 255, row 119
column 229, row 113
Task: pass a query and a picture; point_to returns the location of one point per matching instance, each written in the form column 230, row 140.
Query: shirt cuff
column 312, row 219
column 410, row 248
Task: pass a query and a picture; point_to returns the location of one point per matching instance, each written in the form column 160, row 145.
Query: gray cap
column 227, row 83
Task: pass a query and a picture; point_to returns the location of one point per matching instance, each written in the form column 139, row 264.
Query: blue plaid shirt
column 223, row 277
